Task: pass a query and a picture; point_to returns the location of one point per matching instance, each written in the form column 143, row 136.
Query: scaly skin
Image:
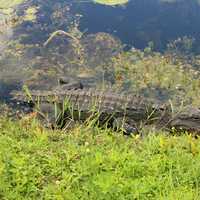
column 109, row 105
column 187, row 120
column 132, row 109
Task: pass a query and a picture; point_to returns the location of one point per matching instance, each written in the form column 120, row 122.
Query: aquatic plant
column 157, row 76
column 111, row 2
column 9, row 3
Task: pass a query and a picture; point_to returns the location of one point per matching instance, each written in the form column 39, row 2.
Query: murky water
column 24, row 59
column 142, row 21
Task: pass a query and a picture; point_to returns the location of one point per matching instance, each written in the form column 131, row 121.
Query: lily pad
column 111, row 2
column 5, row 4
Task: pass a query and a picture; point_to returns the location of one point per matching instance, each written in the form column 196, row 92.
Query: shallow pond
column 107, row 31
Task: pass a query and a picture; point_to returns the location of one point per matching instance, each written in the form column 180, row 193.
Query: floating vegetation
column 111, row 2
column 30, row 14
column 9, row 3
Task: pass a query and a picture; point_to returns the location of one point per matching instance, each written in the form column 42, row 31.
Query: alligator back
column 135, row 107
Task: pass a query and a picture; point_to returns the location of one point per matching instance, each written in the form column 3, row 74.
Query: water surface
column 142, row 21
column 24, row 58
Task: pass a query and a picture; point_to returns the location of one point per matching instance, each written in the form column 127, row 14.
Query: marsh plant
column 157, row 76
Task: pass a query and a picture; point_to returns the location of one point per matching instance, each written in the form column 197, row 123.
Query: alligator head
column 187, row 120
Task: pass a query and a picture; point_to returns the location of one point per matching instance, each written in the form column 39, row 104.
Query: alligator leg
column 187, row 120
column 127, row 126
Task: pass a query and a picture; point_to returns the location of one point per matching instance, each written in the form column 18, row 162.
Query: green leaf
column 111, row 2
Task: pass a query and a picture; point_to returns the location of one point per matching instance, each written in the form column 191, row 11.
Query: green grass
column 90, row 163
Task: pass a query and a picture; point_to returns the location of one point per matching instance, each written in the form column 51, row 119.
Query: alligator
column 119, row 111
column 122, row 112
column 186, row 120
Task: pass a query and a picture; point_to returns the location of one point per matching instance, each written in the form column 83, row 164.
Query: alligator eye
column 196, row 118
